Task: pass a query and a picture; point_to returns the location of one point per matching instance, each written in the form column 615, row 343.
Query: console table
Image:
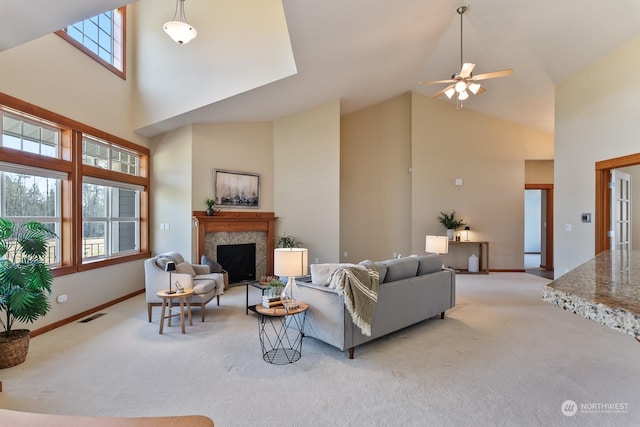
column 483, row 255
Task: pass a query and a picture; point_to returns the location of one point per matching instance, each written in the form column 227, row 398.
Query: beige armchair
column 205, row 285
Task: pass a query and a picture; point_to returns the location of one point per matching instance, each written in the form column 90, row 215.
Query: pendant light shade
column 178, row 29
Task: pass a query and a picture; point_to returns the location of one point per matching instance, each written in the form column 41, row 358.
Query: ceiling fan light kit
column 463, row 82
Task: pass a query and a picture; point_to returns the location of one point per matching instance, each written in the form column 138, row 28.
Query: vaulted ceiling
column 365, row 51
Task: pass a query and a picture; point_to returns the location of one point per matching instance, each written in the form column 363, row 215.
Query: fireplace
column 239, row 260
column 238, row 228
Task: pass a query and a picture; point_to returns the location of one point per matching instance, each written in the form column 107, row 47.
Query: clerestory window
column 102, row 38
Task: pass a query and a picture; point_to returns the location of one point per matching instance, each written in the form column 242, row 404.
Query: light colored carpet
column 501, row 357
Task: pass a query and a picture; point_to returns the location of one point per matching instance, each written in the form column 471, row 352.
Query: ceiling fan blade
column 437, row 82
column 493, row 74
column 466, row 70
column 443, row 91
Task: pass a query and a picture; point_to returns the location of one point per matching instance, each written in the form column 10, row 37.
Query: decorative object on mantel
column 450, row 222
column 287, row 242
column 466, row 229
column 236, row 189
column 25, row 284
column 210, row 203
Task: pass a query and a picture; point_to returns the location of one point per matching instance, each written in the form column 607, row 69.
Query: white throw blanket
column 359, row 287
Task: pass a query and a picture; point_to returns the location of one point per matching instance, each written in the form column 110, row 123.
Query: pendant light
column 179, row 30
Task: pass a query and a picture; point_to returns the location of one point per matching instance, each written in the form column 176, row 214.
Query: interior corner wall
column 306, row 174
column 171, row 195
column 596, row 119
column 375, row 184
column 489, row 155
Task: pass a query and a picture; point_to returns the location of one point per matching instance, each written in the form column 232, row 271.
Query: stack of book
column 271, row 301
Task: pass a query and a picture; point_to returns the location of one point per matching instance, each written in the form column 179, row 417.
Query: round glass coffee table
column 281, row 331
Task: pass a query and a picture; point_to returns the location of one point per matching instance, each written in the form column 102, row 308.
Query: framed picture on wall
column 236, row 189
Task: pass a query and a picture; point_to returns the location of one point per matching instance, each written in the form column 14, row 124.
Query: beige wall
column 307, row 179
column 375, row 182
column 538, row 171
column 489, row 155
column 171, row 199
column 596, row 119
column 52, row 74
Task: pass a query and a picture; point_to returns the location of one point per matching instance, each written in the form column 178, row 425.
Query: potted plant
column 287, row 242
column 25, row 284
column 450, row 222
column 210, row 203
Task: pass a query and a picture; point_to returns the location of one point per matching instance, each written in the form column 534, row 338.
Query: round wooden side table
column 182, row 298
column 281, row 332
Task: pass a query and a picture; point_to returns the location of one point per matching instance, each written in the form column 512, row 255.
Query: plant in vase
column 25, row 284
column 450, row 222
column 210, row 203
column 272, row 293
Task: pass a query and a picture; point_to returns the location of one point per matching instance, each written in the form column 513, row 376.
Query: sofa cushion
column 375, row 265
column 185, row 268
column 214, row 267
column 429, row 263
column 320, row 272
column 400, row 268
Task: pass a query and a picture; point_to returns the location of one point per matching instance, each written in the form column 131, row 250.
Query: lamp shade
column 180, row 32
column 290, row 262
column 437, row 244
column 170, row 266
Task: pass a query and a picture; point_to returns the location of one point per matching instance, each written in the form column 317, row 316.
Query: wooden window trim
column 122, row 11
column 70, row 149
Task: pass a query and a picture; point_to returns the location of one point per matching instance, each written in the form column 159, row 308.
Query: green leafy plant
column 449, row 221
column 25, row 279
column 287, row 242
column 209, row 202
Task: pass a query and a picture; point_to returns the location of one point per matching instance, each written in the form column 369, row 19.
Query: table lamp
column 437, row 244
column 170, row 266
column 290, row 262
column 466, row 229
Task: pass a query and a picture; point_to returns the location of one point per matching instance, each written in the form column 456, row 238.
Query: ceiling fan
column 464, row 81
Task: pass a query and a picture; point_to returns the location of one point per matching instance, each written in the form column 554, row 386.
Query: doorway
column 603, row 214
column 538, row 239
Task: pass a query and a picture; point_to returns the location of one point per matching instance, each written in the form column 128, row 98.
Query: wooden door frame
column 603, row 197
column 548, row 261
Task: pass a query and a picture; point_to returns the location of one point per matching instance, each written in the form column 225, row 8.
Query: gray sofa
column 412, row 289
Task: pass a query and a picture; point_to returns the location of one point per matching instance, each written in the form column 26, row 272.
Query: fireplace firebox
column 239, row 260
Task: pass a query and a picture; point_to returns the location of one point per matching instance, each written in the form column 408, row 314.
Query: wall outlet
column 61, row 298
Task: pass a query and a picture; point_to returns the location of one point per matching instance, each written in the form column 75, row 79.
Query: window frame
column 119, row 39
column 70, row 162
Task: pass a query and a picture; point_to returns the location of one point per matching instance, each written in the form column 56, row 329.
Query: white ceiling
column 365, row 51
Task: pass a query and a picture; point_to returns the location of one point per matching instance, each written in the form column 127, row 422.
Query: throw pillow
column 162, row 261
column 185, row 268
column 214, row 267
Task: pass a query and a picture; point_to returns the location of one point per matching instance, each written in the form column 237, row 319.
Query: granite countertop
column 605, row 289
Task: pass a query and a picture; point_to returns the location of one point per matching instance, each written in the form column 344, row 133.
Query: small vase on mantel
column 210, row 212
